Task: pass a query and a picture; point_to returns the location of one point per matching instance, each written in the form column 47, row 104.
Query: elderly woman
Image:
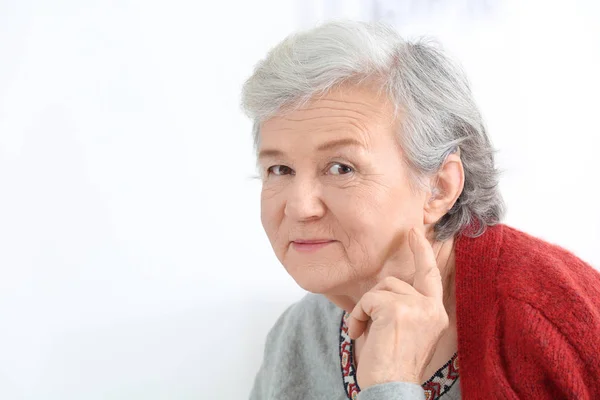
column 380, row 197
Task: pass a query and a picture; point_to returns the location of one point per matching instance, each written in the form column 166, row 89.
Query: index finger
column 428, row 280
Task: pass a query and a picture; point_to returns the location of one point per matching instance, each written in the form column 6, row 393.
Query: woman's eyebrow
column 270, row 153
column 339, row 143
column 333, row 144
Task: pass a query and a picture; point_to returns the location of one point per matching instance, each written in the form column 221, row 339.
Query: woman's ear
column 446, row 186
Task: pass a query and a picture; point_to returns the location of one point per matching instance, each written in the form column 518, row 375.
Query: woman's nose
column 304, row 200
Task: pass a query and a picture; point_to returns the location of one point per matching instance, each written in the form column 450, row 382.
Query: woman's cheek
column 272, row 186
column 356, row 212
column 271, row 211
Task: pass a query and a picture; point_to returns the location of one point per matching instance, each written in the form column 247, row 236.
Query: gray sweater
column 302, row 359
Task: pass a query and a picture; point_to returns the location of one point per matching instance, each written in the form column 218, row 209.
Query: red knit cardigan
column 528, row 319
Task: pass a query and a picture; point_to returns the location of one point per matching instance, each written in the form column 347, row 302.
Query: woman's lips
column 308, row 246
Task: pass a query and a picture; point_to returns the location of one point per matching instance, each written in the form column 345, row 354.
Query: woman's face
column 336, row 202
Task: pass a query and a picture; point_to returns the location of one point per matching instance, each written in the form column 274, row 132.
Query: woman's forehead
column 353, row 115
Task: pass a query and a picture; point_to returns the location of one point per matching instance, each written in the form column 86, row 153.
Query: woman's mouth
column 309, row 246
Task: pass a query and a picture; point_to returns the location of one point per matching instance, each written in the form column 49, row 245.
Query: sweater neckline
column 439, row 383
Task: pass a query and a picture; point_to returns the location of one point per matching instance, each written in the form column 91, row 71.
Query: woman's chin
column 314, row 287
column 314, row 282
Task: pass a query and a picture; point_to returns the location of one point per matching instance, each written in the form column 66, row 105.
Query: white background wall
column 132, row 260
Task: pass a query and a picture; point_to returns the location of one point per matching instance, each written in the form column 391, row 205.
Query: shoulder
column 310, row 321
column 507, row 265
column 518, row 245
column 307, row 314
column 544, row 275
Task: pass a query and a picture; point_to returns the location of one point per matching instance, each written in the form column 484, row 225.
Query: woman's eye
column 280, row 170
column 339, row 169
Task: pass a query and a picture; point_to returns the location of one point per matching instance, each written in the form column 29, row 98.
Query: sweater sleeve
column 393, row 391
column 545, row 361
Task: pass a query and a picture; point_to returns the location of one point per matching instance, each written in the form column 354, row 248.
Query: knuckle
column 370, row 300
column 370, row 297
column 389, row 281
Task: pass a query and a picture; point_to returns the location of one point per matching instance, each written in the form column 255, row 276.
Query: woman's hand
column 402, row 323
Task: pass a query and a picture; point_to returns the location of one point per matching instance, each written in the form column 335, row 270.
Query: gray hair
column 439, row 114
